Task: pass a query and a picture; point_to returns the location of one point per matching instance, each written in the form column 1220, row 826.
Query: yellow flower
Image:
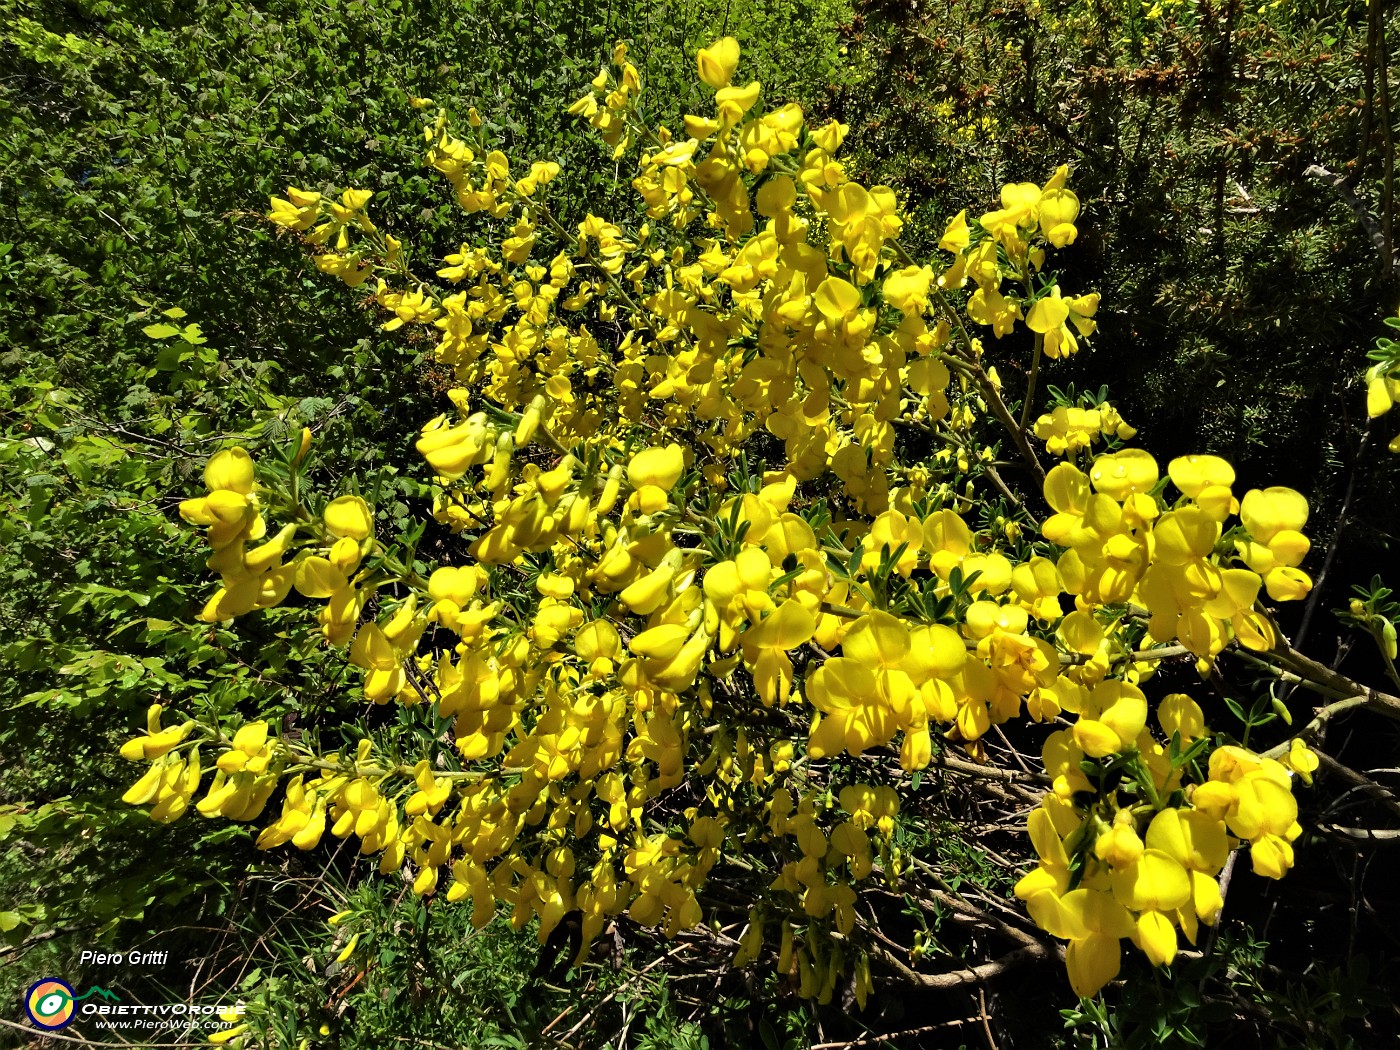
column 1122, row 713
column 1178, row 713
column 1155, row 882
column 298, row 211
column 349, row 949
column 829, row 136
column 1267, row 512
column 1049, row 312
column 1120, row 845
column 1093, row 922
column 1124, row 473
column 1195, row 474
column 157, row 741
column 1059, row 208
column 1157, row 937
column 991, row 308
column 1380, row 396
column 658, row 467
column 1301, row 759
column 907, row 289
column 957, row 235
column 230, row 470
column 349, row 517
column 718, row 62
column 732, row 103
column 766, row 645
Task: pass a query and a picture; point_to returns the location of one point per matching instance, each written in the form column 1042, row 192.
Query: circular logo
column 49, row 1003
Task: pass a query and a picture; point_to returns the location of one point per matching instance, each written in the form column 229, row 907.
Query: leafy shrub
column 689, row 460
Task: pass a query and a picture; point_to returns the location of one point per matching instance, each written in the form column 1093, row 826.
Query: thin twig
column 1030, row 383
column 985, row 1017
column 1363, row 834
column 1334, row 544
column 872, row 1040
column 619, row 990
column 1324, row 715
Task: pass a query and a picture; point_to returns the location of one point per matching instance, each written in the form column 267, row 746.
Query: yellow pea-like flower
column 230, row 469
column 349, row 517
column 1124, row 473
column 1157, row 937
column 1379, row 397
column 659, row 467
column 1266, row 512
column 718, row 62
column 1119, row 846
column 1178, row 713
column 1154, row 882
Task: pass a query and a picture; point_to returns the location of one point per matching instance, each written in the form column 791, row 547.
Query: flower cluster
column 1141, row 861
column 1069, row 429
column 1122, row 543
column 256, row 579
column 172, row 780
column 654, row 655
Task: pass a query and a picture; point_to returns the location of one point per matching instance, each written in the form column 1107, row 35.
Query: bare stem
column 1030, row 383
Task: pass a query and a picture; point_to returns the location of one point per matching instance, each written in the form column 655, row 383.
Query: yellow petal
column 1057, row 206
column 1265, row 512
column 1121, row 474
column 876, row 639
column 1155, row 882
column 1096, row 739
column 1193, row 474
column 660, row 643
column 1286, row 584
column 718, row 62
column 788, row 627
column 1049, row 913
column 1067, row 489
column 1271, row 856
column 661, row 467
column 1042, row 879
column 934, row 651
column 1127, row 714
column 1100, row 912
column 1157, row 937
column 318, row 578
column 1178, row 713
column 1092, row 962
column 1184, row 535
column 1378, row 398
column 1046, row 839
column 646, row 595
column 841, row 684
column 1047, row 314
column 231, row 469
column 837, row 299
column 349, row 517
column 1206, row 897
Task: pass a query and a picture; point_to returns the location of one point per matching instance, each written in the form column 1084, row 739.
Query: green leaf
column 160, row 331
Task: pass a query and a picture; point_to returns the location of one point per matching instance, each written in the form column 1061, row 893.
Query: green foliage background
column 147, row 313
